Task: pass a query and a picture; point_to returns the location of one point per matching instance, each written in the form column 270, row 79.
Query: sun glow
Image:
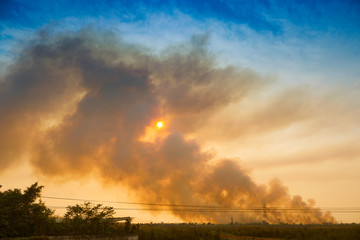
column 159, row 124
column 153, row 133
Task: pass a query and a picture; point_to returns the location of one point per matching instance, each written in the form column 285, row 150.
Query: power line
column 203, row 208
column 220, row 210
column 134, row 203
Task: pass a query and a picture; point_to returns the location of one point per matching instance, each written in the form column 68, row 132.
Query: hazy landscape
column 24, row 215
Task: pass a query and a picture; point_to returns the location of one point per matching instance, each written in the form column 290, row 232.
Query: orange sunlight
column 152, row 132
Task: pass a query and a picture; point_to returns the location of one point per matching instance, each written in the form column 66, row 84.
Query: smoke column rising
column 83, row 102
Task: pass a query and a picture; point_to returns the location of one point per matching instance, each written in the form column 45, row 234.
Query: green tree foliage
column 21, row 215
column 89, row 219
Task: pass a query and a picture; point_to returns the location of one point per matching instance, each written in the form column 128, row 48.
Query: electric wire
column 205, row 208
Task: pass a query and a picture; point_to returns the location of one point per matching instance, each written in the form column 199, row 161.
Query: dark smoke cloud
column 76, row 103
column 193, row 88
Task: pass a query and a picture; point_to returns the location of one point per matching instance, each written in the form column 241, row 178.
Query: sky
column 259, row 100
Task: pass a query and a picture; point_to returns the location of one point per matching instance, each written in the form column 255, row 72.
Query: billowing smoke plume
column 86, row 102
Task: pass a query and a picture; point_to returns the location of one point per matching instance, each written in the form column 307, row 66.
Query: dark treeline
column 23, row 215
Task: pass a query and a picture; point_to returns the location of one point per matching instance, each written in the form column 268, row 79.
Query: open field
column 221, row 232
column 255, row 232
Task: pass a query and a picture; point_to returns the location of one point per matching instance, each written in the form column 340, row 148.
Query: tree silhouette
column 21, row 215
column 88, row 218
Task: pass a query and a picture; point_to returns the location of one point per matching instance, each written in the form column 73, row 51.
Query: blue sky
column 259, row 15
column 313, row 35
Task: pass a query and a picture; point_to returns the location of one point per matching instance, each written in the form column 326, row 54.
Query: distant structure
column 119, row 219
column 264, row 212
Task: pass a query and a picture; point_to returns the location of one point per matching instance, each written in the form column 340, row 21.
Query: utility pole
column 264, row 212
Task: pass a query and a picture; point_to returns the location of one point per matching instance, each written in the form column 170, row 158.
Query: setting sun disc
column 159, row 124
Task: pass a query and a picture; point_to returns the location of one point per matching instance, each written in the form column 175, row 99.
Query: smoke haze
column 77, row 103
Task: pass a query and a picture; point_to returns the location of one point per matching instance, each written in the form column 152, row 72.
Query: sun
column 159, row 124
